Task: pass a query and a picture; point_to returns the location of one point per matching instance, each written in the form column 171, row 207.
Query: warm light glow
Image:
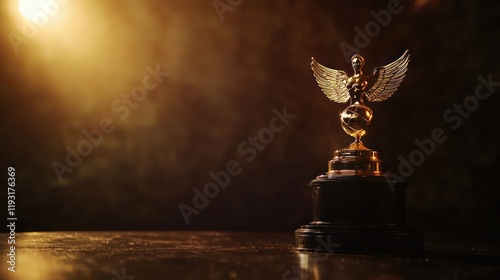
column 29, row 9
column 86, row 58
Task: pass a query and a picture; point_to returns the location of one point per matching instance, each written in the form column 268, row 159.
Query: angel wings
column 384, row 81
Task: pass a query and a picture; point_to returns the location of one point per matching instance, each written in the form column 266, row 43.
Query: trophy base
column 362, row 239
column 358, row 209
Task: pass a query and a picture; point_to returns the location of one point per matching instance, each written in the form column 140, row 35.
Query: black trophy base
column 361, row 239
column 358, row 214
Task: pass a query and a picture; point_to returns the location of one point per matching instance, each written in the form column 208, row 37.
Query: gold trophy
column 337, row 86
column 355, row 204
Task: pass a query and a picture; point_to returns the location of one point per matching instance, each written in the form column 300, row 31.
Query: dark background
column 225, row 78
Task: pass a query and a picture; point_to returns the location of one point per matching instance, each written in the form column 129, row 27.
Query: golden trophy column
column 356, row 206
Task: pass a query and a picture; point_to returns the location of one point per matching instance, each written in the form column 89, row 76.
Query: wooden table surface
column 223, row 255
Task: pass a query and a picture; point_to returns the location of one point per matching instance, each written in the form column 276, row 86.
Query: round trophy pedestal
column 358, row 213
column 361, row 239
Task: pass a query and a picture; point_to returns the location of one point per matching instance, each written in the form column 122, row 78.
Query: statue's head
column 357, row 62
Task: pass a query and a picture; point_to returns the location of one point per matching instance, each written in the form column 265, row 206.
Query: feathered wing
column 386, row 79
column 332, row 82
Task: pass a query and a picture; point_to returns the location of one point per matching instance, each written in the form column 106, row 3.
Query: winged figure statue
column 383, row 82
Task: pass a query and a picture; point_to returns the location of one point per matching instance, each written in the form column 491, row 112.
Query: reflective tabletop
column 225, row 255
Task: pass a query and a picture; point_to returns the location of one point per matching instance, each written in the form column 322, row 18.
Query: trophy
column 356, row 205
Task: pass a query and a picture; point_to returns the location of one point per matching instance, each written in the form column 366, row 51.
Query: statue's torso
column 356, row 85
column 357, row 82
